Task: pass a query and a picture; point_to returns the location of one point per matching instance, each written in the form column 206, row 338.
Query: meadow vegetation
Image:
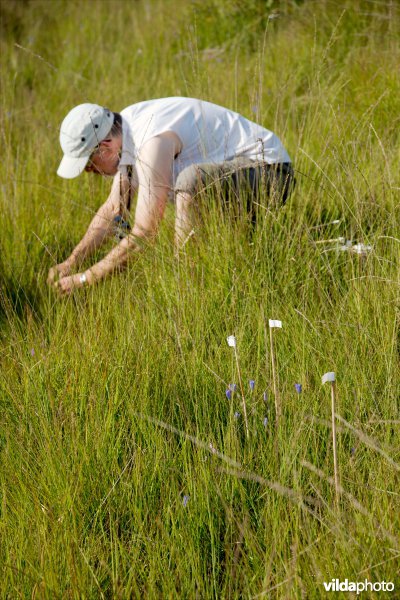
column 125, row 471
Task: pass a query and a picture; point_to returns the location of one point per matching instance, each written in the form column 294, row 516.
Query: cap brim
column 71, row 167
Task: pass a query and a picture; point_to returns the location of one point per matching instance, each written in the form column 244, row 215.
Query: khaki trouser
column 238, row 178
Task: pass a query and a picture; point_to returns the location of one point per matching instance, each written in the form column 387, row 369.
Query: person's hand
column 59, row 271
column 66, row 285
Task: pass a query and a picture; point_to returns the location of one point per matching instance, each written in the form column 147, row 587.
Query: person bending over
column 163, row 148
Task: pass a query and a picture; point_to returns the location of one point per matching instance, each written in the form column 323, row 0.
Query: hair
column 116, row 128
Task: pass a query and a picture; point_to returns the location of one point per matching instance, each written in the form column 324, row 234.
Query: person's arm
column 100, row 228
column 154, row 169
column 184, row 222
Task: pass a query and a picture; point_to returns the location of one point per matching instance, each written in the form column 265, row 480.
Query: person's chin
column 112, row 170
column 109, row 173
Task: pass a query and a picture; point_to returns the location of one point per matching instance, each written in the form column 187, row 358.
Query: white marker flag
column 274, row 323
column 328, row 377
column 231, row 341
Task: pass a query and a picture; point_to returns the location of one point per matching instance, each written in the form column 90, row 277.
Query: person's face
column 105, row 159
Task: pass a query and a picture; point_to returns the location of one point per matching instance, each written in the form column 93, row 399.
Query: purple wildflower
column 233, row 387
column 228, row 394
column 252, row 383
column 32, row 352
column 298, row 387
column 185, row 501
column 265, row 397
column 265, row 421
column 237, row 415
column 352, row 451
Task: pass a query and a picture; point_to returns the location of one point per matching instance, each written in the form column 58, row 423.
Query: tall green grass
column 124, row 470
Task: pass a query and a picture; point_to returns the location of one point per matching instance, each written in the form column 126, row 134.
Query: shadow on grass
column 18, row 300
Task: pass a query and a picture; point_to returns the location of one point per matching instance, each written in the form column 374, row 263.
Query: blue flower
column 298, row 387
column 265, row 397
column 185, row 501
column 237, row 415
column 233, row 387
column 252, row 383
column 228, row 394
column 265, row 421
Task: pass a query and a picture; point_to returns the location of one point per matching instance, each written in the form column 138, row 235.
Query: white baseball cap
column 84, row 127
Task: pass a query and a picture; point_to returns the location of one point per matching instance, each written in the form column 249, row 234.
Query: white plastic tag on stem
column 231, row 341
column 328, row 377
column 274, row 323
column 360, row 249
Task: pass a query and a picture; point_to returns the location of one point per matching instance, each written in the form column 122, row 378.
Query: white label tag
column 328, row 377
column 231, row 341
column 274, row 323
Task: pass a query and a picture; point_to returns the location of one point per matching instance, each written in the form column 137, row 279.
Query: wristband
column 83, row 278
